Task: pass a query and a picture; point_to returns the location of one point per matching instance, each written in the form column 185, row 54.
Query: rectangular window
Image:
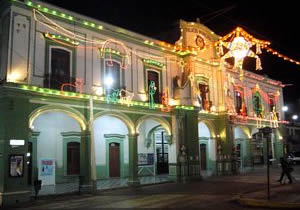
column 154, row 76
column 113, row 71
column 59, row 69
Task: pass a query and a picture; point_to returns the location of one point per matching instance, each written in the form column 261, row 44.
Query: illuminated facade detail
column 77, row 85
column 151, row 92
column 170, row 95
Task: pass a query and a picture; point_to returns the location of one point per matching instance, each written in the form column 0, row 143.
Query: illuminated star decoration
column 239, row 44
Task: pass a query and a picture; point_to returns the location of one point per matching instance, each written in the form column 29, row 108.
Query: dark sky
column 275, row 21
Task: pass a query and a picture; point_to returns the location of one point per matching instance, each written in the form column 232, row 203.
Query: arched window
column 73, row 158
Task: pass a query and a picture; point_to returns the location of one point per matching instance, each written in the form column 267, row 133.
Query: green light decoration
column 61, row 38
column 113, row 97
column 257, row 106
column 151, row 91
column 153, row 63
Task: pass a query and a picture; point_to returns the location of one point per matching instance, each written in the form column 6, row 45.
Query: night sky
column 274, row 21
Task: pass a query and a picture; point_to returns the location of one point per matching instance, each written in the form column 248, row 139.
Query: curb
column 268, row 204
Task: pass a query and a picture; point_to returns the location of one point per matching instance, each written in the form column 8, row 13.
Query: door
column 161, row 153
column 154, row 76
column 203, row 156
column 29, row 163
column 114, row 160
column 238, row 155
column 73, row 158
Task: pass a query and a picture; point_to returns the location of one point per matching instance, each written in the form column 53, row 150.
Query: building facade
column 82, row 98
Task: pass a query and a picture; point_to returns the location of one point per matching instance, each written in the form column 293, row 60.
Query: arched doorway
column 111, row 146
column 242, row 147
column 207, row 147
column 56, row 148
column 153, row 146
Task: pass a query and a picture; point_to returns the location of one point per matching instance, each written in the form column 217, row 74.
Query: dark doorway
column 114, row 160
column 203, row 156
column 238, row 154
column 154, row 76
column 161, row 153
column 73, row 158
column 29, row 163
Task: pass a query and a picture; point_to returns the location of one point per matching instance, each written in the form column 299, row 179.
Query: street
column 212, row 193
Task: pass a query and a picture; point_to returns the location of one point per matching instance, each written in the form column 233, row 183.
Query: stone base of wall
column 14, row 198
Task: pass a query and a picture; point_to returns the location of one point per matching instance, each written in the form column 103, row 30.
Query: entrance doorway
column 114, row 160
column 203, row 156
column 161, row 153
column 73, row 158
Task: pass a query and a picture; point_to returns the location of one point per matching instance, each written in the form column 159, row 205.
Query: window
column 272, row 104
column 154, row 76
column 73, row 158
column 204, row 95
column 112, row 69
column 59, row 68
column 238, row 101
column 257, row 106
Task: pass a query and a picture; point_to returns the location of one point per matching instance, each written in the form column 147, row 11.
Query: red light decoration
column 78, row 84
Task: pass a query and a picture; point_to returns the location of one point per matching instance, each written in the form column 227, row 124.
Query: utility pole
column 267, row 133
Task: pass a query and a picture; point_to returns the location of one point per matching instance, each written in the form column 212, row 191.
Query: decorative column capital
column 135, row 135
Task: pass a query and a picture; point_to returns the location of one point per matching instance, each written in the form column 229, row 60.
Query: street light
column 295, row 117
column 285, row 108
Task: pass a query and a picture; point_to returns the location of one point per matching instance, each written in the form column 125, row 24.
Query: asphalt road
column 213, row 193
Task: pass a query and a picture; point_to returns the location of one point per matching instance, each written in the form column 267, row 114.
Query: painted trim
column 58, row 108
column 163, row 122
column 123, row 117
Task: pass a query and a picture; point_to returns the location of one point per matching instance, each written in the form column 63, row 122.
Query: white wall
column 108, row 125
column 50, row 141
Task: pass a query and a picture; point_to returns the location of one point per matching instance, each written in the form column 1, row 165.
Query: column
column 133, row 179
column 88, row 182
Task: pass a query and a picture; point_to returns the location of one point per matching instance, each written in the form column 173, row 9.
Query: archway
column 111, row 145
column 242, row 145
column 154, row 142
column 207, row 147
column 55, row 130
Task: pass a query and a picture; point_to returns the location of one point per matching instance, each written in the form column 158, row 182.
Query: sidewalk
column 281, row 196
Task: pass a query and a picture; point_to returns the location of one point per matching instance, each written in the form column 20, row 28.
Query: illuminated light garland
column 111, row 43
column 87, row 96
column 59, row 37
column 153, row 62
column 164, row 46
column 282, row 56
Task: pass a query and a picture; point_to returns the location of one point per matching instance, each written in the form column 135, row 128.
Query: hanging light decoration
column 239, row 47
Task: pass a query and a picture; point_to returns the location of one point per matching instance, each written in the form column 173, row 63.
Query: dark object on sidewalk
column 286, row 170
column 37, row 187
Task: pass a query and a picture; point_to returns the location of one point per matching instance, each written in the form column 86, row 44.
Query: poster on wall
column 47, row 167
column 47, row 171
column 16, row 165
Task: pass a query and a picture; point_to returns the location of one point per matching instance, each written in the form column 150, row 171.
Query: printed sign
column 47, row 167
